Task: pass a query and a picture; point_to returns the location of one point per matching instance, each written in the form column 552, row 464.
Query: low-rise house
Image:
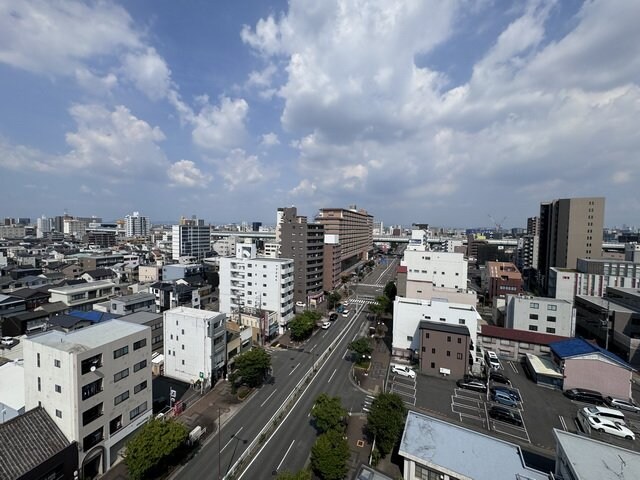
column 98, row 274
column 83, row 296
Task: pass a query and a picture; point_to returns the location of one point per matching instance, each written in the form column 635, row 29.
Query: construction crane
column 497, row 224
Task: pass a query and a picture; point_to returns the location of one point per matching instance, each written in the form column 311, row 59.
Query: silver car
column 628, row 405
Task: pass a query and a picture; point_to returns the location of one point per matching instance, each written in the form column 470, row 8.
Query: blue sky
column 418, row 111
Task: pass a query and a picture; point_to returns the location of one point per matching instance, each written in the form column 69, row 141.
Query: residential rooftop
column 444, row 327
column 134, row 298
column 83, row 287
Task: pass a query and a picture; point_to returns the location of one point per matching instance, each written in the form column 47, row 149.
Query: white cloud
column 221, row 127
column 185, row 173
column 241, row 171
column 269, row 140
column 95, row 83
column 149, row 73
column 305, row 188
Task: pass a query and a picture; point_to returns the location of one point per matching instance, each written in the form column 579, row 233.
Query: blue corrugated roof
column 575, row 347
column 93, row 315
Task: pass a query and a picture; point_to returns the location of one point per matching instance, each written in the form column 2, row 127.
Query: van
column 616, row 416
column 585, row 395
column 492, row 360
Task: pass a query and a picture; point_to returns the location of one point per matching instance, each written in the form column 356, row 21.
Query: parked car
column 499, row 377
column 607, row 426
column 506, row 415
column 340, row 308
column 628, row 405
column 475, row 385
column 509, row 391
column 301, row 304
column 345, row 312
column 7, row 341
column 403, row 371
column 585, row 395
column 326, row 325
column 503, row 399
column 333, row 317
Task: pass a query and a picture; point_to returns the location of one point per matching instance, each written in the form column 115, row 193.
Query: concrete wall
column 597, row 374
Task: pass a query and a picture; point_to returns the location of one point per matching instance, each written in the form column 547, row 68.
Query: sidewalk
column 372, row 381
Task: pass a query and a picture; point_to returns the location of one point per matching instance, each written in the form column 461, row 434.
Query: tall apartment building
column 303, row 243
column 256, row 285
column 194, row 345
column 192, row 239
column 570, row 228
column 136, row 225
column 95, row 383
column 353, row 230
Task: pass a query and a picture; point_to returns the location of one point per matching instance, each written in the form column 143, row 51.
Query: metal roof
column 578, row 347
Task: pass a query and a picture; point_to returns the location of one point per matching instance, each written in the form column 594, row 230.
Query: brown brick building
column 501, row 279
column 444, row 349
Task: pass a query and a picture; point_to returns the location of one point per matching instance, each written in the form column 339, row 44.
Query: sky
column 418, row 111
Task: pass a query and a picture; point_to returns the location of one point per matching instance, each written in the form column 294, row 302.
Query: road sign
column 172, row 393
column 201, row 375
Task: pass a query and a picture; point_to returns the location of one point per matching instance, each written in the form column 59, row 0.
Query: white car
column 346, row 312
column 301, row 304
column 607, row 426
column 8, row 341
column 326, row 325
column 403, row 371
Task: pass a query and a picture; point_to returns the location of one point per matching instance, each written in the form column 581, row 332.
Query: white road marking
column 294, row 369
column 285, row 455
column 267, row 399
column 331, row 377
column 232, row 439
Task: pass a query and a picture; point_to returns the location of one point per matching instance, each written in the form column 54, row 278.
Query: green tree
column 361, row 347
column 302, row 325
column 332, row 300
column 382, row 304
column 328, row 413
column 329, row 456
column 301, row 475
column 385, row 421
column 153, row 447
column 390, row 291
column 252, row 366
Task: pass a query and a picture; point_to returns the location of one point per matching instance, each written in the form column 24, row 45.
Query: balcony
column 91, row 364
column 92, row 414
column 92, row 389
column 92, row 439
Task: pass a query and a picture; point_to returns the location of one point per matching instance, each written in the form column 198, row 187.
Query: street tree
column 332, row 299
column 361, row 347
column 302, row 325
column 385, row 421
column 328, row 413
column 329, row 456
column 252, row 366
column 151, row 450
column 390, row 291
column 300, row 475
column 378, row 307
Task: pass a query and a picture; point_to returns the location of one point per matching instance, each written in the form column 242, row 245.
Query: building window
column 59, row 413
column 56, row 363
column 534, row 305
column 551, row 330
column 433, row 350
column 182, row 362
column 137, row 411
column 38, row 360
column 141, row 343
column 443, row 319
column 39, row 384
column 426, row 335
column 459, row 356
column 115, row 425
column 58, row 389
column 120, row 375
column 120, row 352
column 459, row 340
column 448, row 338
column 433, row 365
column 121, row 398
column 551, row 319
column 140, row 387
column 553, row 308
column 409, row 339
column 448, row 353
column 140, row 365
column 533, row 328
column 91, row 389
column 533, row 316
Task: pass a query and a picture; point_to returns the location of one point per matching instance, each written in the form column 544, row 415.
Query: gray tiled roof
column 28, row 440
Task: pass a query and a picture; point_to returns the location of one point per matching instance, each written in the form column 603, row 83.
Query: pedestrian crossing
column 374, row 285
column 366, row 405
column 361, row 301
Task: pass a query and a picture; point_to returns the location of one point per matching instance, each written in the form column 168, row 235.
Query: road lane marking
column 285, row 455
column 313, row 347
column 331, row 377
column 233, row 437
column 262, row 404
column 563, row 423
column 294, row 369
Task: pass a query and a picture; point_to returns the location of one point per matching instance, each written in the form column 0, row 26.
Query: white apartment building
column 443, row 269
column 252, row 284
column 592, row 277
column 95, row 383
column 43, row 226
column 409, row 312
column 194, row 345
column 136, row 225
column 226, row 246
column 190, row 241
column 84, row 295
column 540, row 314
column 271, row 250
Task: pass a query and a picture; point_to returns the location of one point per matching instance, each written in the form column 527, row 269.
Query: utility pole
column 219, row 442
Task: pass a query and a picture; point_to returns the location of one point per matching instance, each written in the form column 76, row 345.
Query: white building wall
column 529, row 313
column 444, row 270
column 409, row 312
column 564, row 284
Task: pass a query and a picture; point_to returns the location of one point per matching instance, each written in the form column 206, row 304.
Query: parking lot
column 541, row 409
column 403, row 386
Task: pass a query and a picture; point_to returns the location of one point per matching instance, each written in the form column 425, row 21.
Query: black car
column 499, row 378
column 585, row 395
column 506, row 415
column 333, row 317
column 509, row 391
column 473, row 384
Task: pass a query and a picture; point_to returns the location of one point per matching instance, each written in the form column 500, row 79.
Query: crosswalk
column 361, row 301
column 366, row 405
column 374, row 285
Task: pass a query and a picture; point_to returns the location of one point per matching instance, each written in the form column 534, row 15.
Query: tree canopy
column 386, row 420
column 252, row 366
column 390, row 291
column 300, row 475
column 332, row 299
column 302, row 325
column 152, row 446
column 329, row 456
column 328, row 413
column 361, row 347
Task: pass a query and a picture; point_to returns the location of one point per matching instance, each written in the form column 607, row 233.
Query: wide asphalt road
column 290, row 446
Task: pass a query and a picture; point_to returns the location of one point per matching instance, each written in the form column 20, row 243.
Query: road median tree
column 328, row 413
column 329, row 456
column 385, row 421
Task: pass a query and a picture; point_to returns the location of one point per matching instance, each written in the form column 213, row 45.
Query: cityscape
column 290, row 240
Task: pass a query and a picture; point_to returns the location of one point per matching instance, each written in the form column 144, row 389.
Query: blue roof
column 576, row 347
column 93, row 316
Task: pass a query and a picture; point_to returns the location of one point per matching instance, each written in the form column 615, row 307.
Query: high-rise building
column 95, row 383
column 570, row 228
column 303, row 243
column 190, row 239
column 136, row 225
column 349, row 239
column 43, row 226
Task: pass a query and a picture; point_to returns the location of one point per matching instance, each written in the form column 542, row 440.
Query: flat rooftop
column 134, row 298
column 83, row 287
column 12, row 384
column 606, row 303
column 89, row 337
column 462, row 452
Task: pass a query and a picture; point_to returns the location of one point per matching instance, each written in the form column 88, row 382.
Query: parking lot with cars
column 540, row 409
column 402, row 380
